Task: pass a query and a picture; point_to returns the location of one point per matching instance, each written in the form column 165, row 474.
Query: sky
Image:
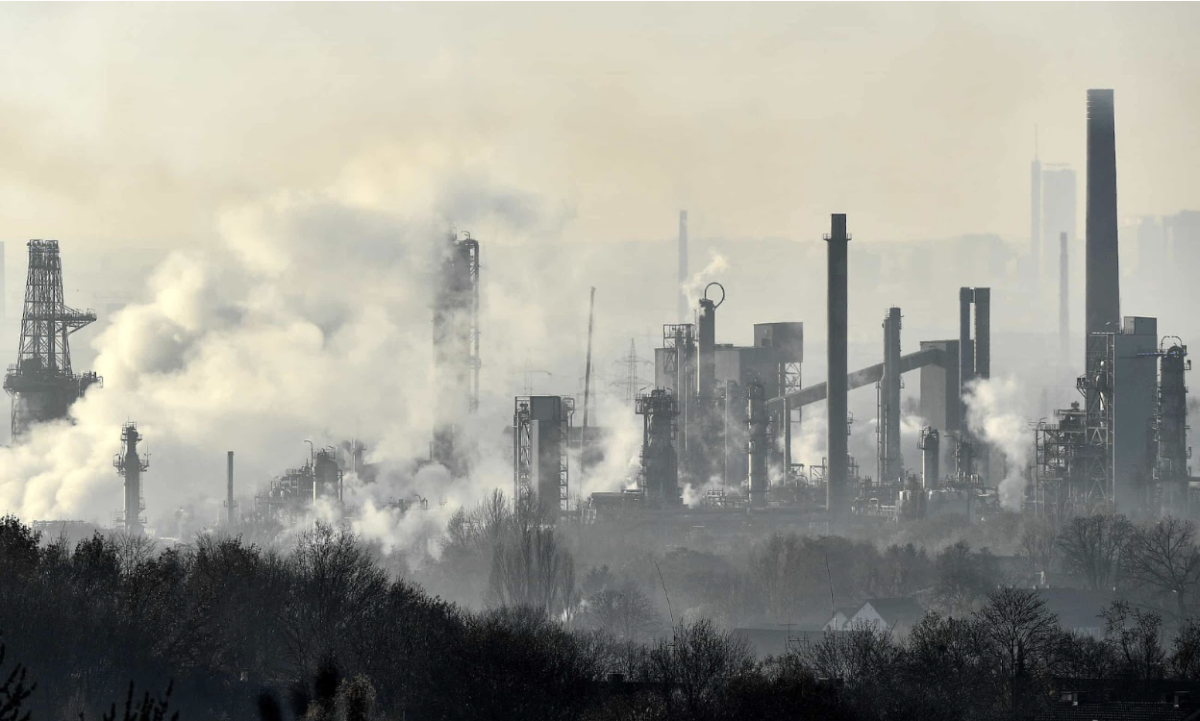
column 133, row 125
column 258, row 184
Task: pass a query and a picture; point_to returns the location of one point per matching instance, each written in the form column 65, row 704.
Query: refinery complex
column 719, row 421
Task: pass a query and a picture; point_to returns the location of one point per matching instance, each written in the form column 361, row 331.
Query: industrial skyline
column 675, row 361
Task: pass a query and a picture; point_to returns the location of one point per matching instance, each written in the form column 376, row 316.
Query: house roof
column 896, row 611
column 847, row 611
column 1122, row 711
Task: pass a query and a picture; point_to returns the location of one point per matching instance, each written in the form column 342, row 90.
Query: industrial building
column 290, row 496
column 1124, row 450
column 541, row 429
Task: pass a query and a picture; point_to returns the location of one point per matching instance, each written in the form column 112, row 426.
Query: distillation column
column 930, row 444
column 890, row 467
column 758, row 445
column 1172, row 462
column 130, row 466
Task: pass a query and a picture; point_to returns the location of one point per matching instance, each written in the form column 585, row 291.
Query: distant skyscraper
column 1182, row 233
column 683, row 267
column 1151, row 246
column 1035, row 215
column 1059, row 209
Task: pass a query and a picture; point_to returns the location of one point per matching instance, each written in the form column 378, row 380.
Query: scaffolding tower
column 42, row 383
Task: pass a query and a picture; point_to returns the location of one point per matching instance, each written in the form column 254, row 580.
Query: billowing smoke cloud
column 310, row 322
column 995, row 414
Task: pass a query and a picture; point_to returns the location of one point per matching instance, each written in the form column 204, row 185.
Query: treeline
column 1007, row 659
column 320, row 632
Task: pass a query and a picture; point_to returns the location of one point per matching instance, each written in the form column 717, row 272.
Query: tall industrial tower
column 456, row 339
column 131, row 466
column 837, row 493
column 42, row 384
column 1103, row 290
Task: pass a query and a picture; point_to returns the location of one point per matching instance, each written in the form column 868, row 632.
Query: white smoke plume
column 694, row 287
column 309, row 321
column 996, row 413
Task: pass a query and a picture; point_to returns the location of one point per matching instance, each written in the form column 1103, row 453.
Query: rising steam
column 309, row 321
column 995, row 415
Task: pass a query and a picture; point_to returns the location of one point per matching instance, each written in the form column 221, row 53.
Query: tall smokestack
column 836, row 490
column 706, row 343
column 1103, row 280
column 983, row 365
column 966, row 348
column 230, row 504
column 983, row 333
column 1064, row 288
column 890, row 468
column 683, row 267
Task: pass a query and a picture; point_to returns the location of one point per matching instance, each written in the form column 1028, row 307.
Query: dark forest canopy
column 321, row 631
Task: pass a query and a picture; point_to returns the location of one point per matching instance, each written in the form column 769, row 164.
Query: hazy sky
column 133, row 124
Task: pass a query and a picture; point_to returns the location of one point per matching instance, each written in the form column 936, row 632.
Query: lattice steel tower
column 42, row 384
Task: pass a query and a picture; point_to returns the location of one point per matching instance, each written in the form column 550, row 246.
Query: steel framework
column 527, row 452
column 660, row 474
column 42, row 383
column 1097, row 452
column 1058, row 491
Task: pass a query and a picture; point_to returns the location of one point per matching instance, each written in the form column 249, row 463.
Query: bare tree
column 133, row 549
column 1020, row 632
column 1185, row 651
column 530, row 568
column 626, row 612
column 14, row 691
column 964, row 578
column 1135, row 637
column 862, row 653
column 695, row 664
column 1163, row 556
column 1092, row 547
column 1039, row 545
